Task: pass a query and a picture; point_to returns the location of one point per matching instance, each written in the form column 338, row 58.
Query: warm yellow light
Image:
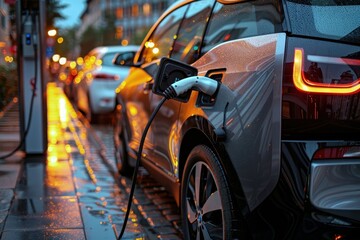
column 149, row 44
column 56, row 57
column 98, row 62
column 124, row 42
column 307, row 85
column 63, row 111
column 72, row 64
column 9, row 59
column 88, row 75
column 2, row 44
column 62, row 76
column 133, row 111
column 92, row 59
column 155, row 51
column 52, row 160
column 68, row 148
column 147, row 9
column 80, row 61
column 60, row 40
column 62, row 60
column 52, row 32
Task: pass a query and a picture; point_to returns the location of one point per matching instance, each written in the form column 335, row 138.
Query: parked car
column 275, row 152
column 95, row 90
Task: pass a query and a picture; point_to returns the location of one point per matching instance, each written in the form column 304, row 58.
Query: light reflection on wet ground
column 152, row 202
column 74, row 191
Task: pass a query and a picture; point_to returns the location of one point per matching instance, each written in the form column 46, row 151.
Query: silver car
column 96, row 84
column 274, row 153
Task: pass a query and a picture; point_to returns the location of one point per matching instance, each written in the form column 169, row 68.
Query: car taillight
column 337, row 152
column 304, row 80
column 105, row 76
column 321, row 90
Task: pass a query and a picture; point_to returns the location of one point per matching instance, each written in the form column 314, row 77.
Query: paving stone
column 6, row 196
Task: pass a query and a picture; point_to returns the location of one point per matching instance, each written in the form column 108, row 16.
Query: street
column 75, row 191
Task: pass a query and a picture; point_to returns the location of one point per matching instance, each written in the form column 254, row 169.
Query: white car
column 95, row 86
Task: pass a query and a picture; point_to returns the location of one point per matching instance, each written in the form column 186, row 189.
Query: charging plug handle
column 199, row 83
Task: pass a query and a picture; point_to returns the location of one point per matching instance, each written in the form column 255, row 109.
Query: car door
column 138, row 86
column 186, row 49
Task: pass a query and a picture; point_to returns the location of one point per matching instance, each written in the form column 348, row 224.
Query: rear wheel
column 206, row 206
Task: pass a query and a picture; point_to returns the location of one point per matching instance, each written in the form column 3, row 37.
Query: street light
column 56, row 57
column 62, row 60
column 52, row 32
column 60, row 40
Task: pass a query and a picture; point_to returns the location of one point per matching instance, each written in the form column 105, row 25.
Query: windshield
column 330, row 19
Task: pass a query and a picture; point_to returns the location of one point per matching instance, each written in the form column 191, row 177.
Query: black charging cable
column 22, row 140
column 139, row 153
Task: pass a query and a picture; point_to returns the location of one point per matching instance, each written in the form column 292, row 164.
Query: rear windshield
column 329, row 19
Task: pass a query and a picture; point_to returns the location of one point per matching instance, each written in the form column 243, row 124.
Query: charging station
column 31, row 60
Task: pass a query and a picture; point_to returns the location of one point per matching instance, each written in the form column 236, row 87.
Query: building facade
column 5, row 43
column 133, row 18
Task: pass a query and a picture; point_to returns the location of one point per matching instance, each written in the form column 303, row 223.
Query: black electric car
column 274, row 153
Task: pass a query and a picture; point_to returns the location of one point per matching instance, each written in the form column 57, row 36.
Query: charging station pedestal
column 31, row 19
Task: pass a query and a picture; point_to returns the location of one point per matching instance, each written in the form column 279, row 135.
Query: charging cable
column 33, row 90
column 199, row 83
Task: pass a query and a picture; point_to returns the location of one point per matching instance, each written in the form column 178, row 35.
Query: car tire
column 120, row 146
column 207, row 208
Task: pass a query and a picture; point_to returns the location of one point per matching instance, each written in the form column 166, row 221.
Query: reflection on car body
column 288, row 166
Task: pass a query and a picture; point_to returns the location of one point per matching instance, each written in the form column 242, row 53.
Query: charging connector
column 202, row 84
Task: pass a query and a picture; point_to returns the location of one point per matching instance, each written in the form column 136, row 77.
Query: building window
column 147, row 9
column 119, row 32
column 119, row 13
column 135, row 10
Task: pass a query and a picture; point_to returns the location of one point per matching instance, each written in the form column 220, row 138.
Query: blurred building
column 5, row 43
column 133, row 18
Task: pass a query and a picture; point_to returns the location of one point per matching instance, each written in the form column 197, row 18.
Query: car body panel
column 137, row 115
column 254, row 79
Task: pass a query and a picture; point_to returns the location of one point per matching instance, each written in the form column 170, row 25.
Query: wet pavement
column 74, row 191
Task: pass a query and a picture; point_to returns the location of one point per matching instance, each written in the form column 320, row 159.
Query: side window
column 189, row 37
column 162, row 39
column 235, row 21
column 107, row 59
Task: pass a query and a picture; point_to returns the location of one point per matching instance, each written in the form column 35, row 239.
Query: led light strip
column 306, row 85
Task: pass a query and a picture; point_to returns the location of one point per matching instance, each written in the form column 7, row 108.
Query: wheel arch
column 196, row 131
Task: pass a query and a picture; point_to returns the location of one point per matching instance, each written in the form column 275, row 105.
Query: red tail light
column 338, row 152
column 343, row 85
column 105, row 76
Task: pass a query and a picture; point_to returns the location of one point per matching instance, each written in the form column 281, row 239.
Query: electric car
column 95, row 86
column 274, row 152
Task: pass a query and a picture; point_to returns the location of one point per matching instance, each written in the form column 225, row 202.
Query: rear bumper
column 102, row 96
column 335, row 188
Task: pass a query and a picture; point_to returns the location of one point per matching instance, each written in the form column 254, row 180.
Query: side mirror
column 169, row 72
column 125, row 59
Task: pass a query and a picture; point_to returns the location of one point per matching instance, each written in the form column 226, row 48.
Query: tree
column 70, row 41
column 53, row 13
column 90, row 39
